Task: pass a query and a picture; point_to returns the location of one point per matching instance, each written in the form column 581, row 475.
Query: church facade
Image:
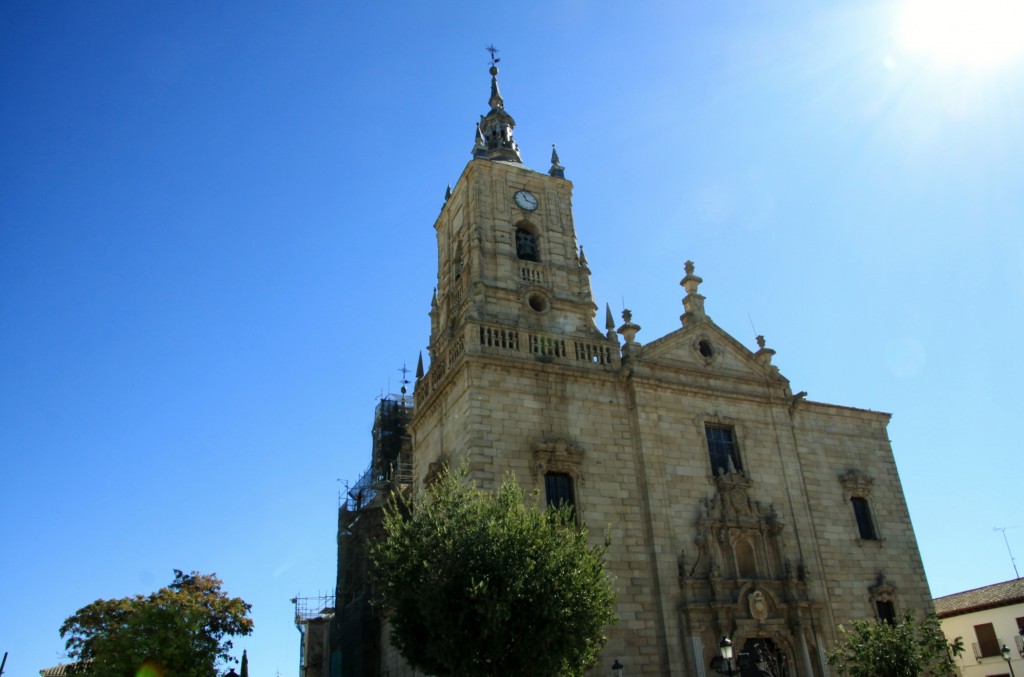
column 736, row 507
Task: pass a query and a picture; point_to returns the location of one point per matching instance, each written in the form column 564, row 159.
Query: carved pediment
column 882, row 591
column 557, row 452
column 707, row 346
column 732, row 505
column 856, row 483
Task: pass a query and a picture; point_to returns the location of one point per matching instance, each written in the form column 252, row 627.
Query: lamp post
column 1006, row 657
column 722, row 664
column 617, row 668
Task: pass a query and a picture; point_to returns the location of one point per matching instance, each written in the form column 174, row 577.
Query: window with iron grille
column 862, row 511
column 558, row 488
column 722, row 448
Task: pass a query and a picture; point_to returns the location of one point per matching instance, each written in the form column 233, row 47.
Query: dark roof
column 62, row 670
column 988, row 597
column 58, row 671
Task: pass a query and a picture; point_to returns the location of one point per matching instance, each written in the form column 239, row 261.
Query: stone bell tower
column 513, row 290
column 507, row 252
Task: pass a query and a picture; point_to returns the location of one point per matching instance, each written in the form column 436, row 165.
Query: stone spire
column 435, row 322
column 479, row 148
column 609, row 324
column 495, row 128
column 556, row 170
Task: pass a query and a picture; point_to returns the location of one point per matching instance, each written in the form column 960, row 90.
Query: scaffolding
column 391, row 462
column 340, row 630
column 313, row 618
column 356, row 627
column 311, row 608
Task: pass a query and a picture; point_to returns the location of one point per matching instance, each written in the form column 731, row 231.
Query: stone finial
column 629, row 329
column 691, row 282
column 583, row 257
column 556, row 170
column 448, row 193
column 419, row 367
column 433, row 300
column 479, row 147
column 763, row 354
column 693, row 303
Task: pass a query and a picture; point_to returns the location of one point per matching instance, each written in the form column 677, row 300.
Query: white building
column 987, row 619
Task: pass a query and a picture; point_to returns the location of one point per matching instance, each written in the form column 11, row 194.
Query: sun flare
column 972, row 32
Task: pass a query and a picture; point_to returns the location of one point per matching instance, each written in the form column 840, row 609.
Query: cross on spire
column 493, row 50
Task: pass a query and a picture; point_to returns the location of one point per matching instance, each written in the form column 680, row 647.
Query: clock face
column 526, row 200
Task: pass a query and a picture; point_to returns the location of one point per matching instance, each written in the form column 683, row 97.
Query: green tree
column 487, row 584
column 179, row 630
column 904, row 649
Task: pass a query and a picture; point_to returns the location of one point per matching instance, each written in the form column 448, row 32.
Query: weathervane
column 493, row 50
column 405, row 377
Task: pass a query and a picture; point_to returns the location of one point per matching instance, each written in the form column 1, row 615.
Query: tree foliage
column 487, row 584
column 904, row 649
column 179, row 630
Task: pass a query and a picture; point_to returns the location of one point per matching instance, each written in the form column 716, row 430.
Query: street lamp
column 722, row 664
column 1006, row 657
column 617, row 668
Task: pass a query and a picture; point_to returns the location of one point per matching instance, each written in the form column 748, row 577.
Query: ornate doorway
column 766, row 659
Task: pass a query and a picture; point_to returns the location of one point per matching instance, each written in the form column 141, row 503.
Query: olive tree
column 479, row 583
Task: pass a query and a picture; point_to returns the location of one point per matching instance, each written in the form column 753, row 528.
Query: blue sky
column 216, row 252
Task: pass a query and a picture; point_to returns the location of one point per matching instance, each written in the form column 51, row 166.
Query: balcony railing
column 497, row 339
column 990, row 649
column 532, row 273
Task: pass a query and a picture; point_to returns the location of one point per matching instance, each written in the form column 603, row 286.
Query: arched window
column 526, row 245
column 746, row 562
column 458, row 263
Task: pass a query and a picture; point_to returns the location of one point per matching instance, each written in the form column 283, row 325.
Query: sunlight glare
column 973, row 32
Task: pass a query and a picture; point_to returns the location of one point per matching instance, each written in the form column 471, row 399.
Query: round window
column 537, row 302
